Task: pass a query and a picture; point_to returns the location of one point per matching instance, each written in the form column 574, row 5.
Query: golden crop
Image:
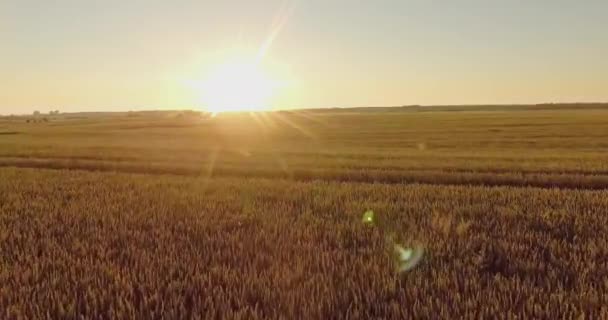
column 160, row 217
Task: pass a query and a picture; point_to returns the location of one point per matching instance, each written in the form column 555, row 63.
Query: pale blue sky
column 114, row 55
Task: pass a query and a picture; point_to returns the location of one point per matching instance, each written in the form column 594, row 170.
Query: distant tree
column 36, row 113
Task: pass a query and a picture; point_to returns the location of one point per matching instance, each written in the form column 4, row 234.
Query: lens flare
column 405, row 258
column 368, row 217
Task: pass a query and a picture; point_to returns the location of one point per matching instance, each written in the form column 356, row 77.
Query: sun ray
column 207, row 172
column 279, row 22
column 261, row 120
column 245, row 80
column 312, row 118
column 294, row 125
column 268, row 121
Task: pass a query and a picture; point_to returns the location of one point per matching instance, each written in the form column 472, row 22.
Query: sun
column 238, row 86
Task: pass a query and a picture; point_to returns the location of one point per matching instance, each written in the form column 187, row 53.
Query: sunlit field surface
column 183, row 215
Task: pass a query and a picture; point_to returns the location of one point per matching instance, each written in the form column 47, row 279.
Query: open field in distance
column 142, row 215
column 539, row 148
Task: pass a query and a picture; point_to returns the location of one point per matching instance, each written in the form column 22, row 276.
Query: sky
column 85, row 55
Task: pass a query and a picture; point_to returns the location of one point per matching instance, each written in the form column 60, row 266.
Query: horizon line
column 168, row 109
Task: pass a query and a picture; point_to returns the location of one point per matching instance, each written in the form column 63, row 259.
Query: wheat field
column 246, row 216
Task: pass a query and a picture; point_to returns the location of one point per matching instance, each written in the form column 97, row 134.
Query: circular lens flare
column 406, row 258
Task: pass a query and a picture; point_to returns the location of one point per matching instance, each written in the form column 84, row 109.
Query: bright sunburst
column 238, row 86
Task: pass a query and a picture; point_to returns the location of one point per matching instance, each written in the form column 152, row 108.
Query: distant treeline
column 405, row 108
column 456, row 108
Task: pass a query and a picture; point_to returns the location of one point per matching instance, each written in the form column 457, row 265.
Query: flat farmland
column 178, row 215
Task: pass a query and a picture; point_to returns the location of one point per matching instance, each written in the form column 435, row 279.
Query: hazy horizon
column 84, row 56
